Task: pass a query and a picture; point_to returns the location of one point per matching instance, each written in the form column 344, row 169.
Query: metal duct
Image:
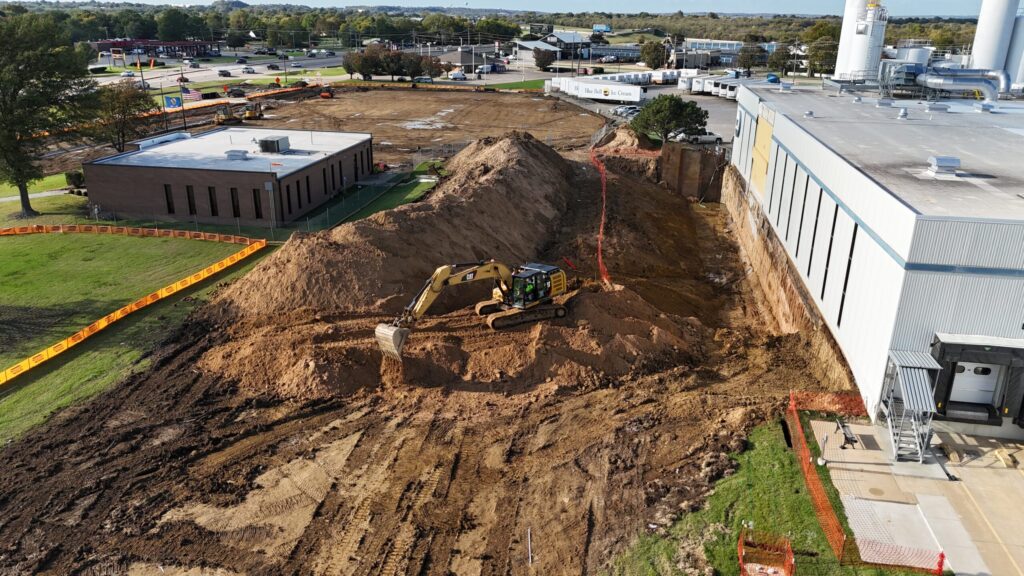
column 1001, row 78
column 958, row 84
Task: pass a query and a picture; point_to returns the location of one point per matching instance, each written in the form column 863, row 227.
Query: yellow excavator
column 528, row 293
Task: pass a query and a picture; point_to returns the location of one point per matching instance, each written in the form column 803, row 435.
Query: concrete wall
column 139, row 192
column 692, row 171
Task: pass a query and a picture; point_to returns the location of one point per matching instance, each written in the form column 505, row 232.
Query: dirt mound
column 624, row 137
column 502, row 200
column 607, row 334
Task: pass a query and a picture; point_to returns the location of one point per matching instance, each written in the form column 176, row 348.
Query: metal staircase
column 909, row 404
column 906, row 431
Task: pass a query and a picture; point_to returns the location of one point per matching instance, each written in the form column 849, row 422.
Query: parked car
column 224, row 73
column 295, row 65
column 193, row 64
column 423, row 80
column 701, row 137
column 127, row 74
column 259, row 52
column 248, row 70
column 241, row 61
column 456, row 76
column 142, row 85
column 182, row 79
column 236, row 93
column 330, row 53
column 607, row 59
column 624, row 110
column 273, row 67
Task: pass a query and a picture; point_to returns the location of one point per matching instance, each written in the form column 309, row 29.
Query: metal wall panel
column 958, row 304
column 820, row 248
column 837, row 265
column 792, row 214
column 969, row 243
column 781, row 218
column 802, row 243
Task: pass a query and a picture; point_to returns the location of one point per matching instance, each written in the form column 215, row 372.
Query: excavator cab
column 533, row 284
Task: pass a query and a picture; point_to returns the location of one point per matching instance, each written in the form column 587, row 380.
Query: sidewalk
column 17, row 198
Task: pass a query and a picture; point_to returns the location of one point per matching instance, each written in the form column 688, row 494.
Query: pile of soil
column 619, row 150
column 623, row 137
column 321, row 295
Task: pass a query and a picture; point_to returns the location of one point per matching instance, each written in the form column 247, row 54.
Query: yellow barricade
column 251, row 247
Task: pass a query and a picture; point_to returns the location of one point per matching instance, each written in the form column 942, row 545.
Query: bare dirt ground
column 400, row 120
column 275, row 439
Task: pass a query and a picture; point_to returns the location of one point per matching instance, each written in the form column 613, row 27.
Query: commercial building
column 901, row 226
column 252, row 176
column 569, row 44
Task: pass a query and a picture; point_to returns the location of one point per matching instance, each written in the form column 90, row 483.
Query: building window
column 334, row 181
column 828, row 255
column 341, row 174
column 846, row 281
column 324, row 171
column 190, row 195
column 960, row 369
column 256, row 205
column 298, row 193
column 288, row 196
column 214, row 210
column 169, row 198
column 309, row 193
column 982, row 371
column 355, row 166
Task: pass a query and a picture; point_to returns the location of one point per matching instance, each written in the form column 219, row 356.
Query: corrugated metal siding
column 802, row 244
column 957, row 304
column 969, row 243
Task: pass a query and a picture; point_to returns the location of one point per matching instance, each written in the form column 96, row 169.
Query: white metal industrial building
column 915, row 263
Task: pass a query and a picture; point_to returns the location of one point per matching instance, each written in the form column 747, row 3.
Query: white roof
column 570, row 37
column 894, row 152
column 206, row 151
column 534, row 44
column 979, row 340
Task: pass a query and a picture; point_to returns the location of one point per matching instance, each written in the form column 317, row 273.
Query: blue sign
column 172, row 101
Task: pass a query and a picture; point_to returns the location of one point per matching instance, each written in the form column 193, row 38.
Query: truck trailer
column 600, row 90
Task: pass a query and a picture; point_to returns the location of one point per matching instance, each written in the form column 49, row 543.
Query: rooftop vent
column 236, row 154
column 884, row 103
column 936, row 107
column 275, row 144
column 903, row 115
column 857, row 99
column 809, row 114
column 785, row 87
column 943, row 165
column 984, row 106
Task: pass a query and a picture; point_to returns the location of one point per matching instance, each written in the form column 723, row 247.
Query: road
column 208, row 71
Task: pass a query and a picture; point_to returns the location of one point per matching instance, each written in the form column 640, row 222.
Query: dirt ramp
column 503, row 199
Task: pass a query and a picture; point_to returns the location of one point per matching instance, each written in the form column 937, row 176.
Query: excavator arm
column 391, row 337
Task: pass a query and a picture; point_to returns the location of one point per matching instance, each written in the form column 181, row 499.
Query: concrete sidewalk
column 17, row 198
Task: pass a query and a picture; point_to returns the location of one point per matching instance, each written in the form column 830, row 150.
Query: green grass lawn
column 331, row 71
column 527, row 85
column 396, row 196
column 53, row 285
column 52, row 182
column 767, row 489
column 103, row 360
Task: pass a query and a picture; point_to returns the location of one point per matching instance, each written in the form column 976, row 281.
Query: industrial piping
column 1001, row 78
column 931, row 79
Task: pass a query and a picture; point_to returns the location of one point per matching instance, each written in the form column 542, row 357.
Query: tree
column 236, row 40
column 121, row 105
column 352, row 61
column 44, row 88
column 779, row 59
column 412, row 63
column 392, row 63
column 667, row 113
column 653, row 54
column 543, row 58
column 822, row 29
column 432, row 66
column 172, row 24
column 821, row 56
column 750, row 56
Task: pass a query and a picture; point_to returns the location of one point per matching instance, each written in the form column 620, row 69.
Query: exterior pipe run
column 999, row 77
column 959, row 84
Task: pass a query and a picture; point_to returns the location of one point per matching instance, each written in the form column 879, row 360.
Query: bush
column 75, row 178
column 598, row 70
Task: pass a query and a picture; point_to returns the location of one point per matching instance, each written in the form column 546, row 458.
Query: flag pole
column 181, row 92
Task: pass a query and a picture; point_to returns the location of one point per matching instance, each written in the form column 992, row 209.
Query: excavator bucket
column 391, row 339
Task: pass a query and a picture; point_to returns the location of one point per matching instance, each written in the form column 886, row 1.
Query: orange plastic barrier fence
column 251, row 247
column 848, row 553
column 605, row 277
column 763, row 553
column 277, row 91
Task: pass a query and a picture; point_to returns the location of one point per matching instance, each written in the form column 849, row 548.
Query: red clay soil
column 271, row 438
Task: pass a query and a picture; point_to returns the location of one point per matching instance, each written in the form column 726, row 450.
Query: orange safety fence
column 847, row 552
column 605, row 277
column 251, row 247
column 764, row 553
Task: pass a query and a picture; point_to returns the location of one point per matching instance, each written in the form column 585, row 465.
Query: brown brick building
column 254, row 176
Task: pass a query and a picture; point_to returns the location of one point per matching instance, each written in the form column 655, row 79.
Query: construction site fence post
column 251, row 247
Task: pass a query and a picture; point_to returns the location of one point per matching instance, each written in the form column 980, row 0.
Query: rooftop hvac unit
column 943, row 164
column 274, row 144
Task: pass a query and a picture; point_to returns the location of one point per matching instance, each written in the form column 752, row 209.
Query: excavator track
column 516, row 317
column 488, row 307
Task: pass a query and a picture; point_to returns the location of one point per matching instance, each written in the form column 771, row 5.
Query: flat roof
column 207, row 150
column 895, row 152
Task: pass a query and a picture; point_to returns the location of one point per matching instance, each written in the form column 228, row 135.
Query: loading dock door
column 975, row 383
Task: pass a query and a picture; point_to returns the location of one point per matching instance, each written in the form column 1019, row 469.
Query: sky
column 896, row 7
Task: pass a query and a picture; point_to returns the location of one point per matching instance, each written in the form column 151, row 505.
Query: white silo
column 854, row 8
column 868, row 40
column 992, row 38
column 1015, row 56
